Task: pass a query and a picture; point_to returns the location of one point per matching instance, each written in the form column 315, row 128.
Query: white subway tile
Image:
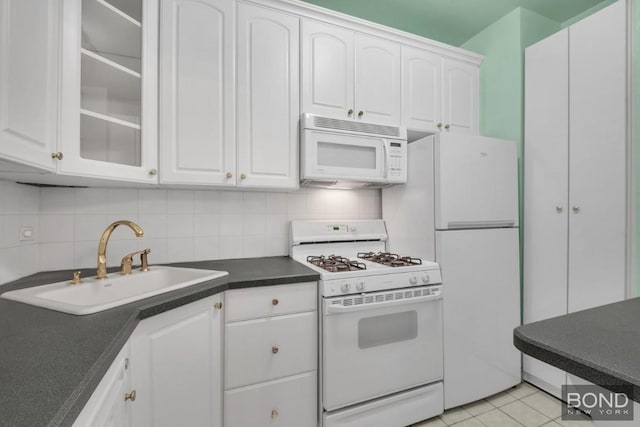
column 254, row 202
column 206, row 248
column 11, row 196
column 180, row 249
column 276, row 224
column 30, row 259
column 9, row 230
column 152, row 201
column 85, row 254
column 230, row 202
column 180, row 225
column 276, row 203
column 231, row 247
column 32, row 221
column 277, row 245
column 254, row 246
column 317, row 201
column 206, row 225
column 57, row 228
column 89, row 227
column 231, row 225
column 206, row 202
column 254, row 224
column 56, row 256
column 57, row 201
column 10, row 264
column 90, row 201
column 122, row 201
column 29, row 200
column 180, row 202
column 297, row 204
column 154, row 225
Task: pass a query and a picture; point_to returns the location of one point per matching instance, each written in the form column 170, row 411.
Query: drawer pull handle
column 274, row 414
column 130, row 396
column 274, row 349
column 274, row 301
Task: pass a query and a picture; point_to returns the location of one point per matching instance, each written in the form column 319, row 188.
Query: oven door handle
column 340, row 309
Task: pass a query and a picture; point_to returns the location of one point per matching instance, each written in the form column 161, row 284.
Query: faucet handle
column 127, row 261
column 76, row 278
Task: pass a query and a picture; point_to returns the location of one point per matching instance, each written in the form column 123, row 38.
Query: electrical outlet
column 26, row 234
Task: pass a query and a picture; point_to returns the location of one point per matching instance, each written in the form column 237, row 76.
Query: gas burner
column 389, row 259
column 335, row 263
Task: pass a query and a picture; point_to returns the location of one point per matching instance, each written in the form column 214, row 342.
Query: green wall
column 636, row 55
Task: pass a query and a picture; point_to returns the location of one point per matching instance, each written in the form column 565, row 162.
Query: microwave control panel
column 397, row 161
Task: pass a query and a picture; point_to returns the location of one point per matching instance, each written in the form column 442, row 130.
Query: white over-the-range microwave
column 351, row 154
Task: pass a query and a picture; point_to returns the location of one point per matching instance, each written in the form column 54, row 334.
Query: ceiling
column 451, row 21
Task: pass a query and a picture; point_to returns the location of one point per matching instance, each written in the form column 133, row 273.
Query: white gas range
column 381, row 325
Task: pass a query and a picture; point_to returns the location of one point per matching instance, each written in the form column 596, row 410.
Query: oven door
column 380, row 343
column 341, row 156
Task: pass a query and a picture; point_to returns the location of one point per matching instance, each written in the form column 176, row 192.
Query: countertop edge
column 572, row 364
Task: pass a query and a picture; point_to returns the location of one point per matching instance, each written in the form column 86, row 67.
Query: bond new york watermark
column 599, row 403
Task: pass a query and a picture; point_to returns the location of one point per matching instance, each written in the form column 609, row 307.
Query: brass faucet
column 104, row 239
column 127, row 261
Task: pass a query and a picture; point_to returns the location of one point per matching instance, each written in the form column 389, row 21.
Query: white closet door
column 597, row 185
column 546, row 192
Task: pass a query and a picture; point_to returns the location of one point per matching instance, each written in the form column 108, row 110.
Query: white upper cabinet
column 460, row 97
column 268, row 97
column 109, row 90
column 29, row 54
column 377, row 82
column 421, row 89
column 197, row 110
column 349, row 75
column 327, row 70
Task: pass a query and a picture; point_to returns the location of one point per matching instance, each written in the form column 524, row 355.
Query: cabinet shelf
column 109, row 119
column 111, row 33
column 109, row 140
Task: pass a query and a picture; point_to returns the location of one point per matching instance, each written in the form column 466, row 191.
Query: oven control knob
column 360, row 286
column 413, row 280
column 426, row 278
column 345, row 287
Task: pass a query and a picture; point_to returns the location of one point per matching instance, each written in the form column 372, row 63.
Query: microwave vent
column 351, row 126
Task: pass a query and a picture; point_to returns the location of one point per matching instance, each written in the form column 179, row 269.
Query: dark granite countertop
column 600, row 345
column 50, row 362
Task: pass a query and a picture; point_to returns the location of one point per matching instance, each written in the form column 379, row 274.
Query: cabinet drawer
column 274, row 347
column 287, row 402
column 253, row 303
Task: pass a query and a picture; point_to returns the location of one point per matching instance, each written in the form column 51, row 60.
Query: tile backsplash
column 179, row 225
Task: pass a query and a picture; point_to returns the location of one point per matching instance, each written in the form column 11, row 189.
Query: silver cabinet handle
column 559, row 208
column 576, row 208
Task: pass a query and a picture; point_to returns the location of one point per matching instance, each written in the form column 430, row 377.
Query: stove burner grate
column 389, row 259
column 335, row 263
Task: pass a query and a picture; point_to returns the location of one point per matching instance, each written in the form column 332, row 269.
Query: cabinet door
column 377, row 80
column 29, row 81
column 107, row 406
column 546, row 192
column 176, row 367
column 327, row 70
column 421, row 89
column 268, row 98
column 197, row 135
column 597, row 160
column 110, row 90
column 460, row 97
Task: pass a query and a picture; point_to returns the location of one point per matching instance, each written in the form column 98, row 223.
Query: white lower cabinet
column 271, row 361
column 176, row 363
column 109, row 405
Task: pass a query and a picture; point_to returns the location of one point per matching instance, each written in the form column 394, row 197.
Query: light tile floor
column 523, row 405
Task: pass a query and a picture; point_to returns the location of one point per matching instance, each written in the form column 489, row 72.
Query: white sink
column 95, row 295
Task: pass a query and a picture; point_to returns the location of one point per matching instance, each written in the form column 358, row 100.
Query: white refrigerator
column 460, row 207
